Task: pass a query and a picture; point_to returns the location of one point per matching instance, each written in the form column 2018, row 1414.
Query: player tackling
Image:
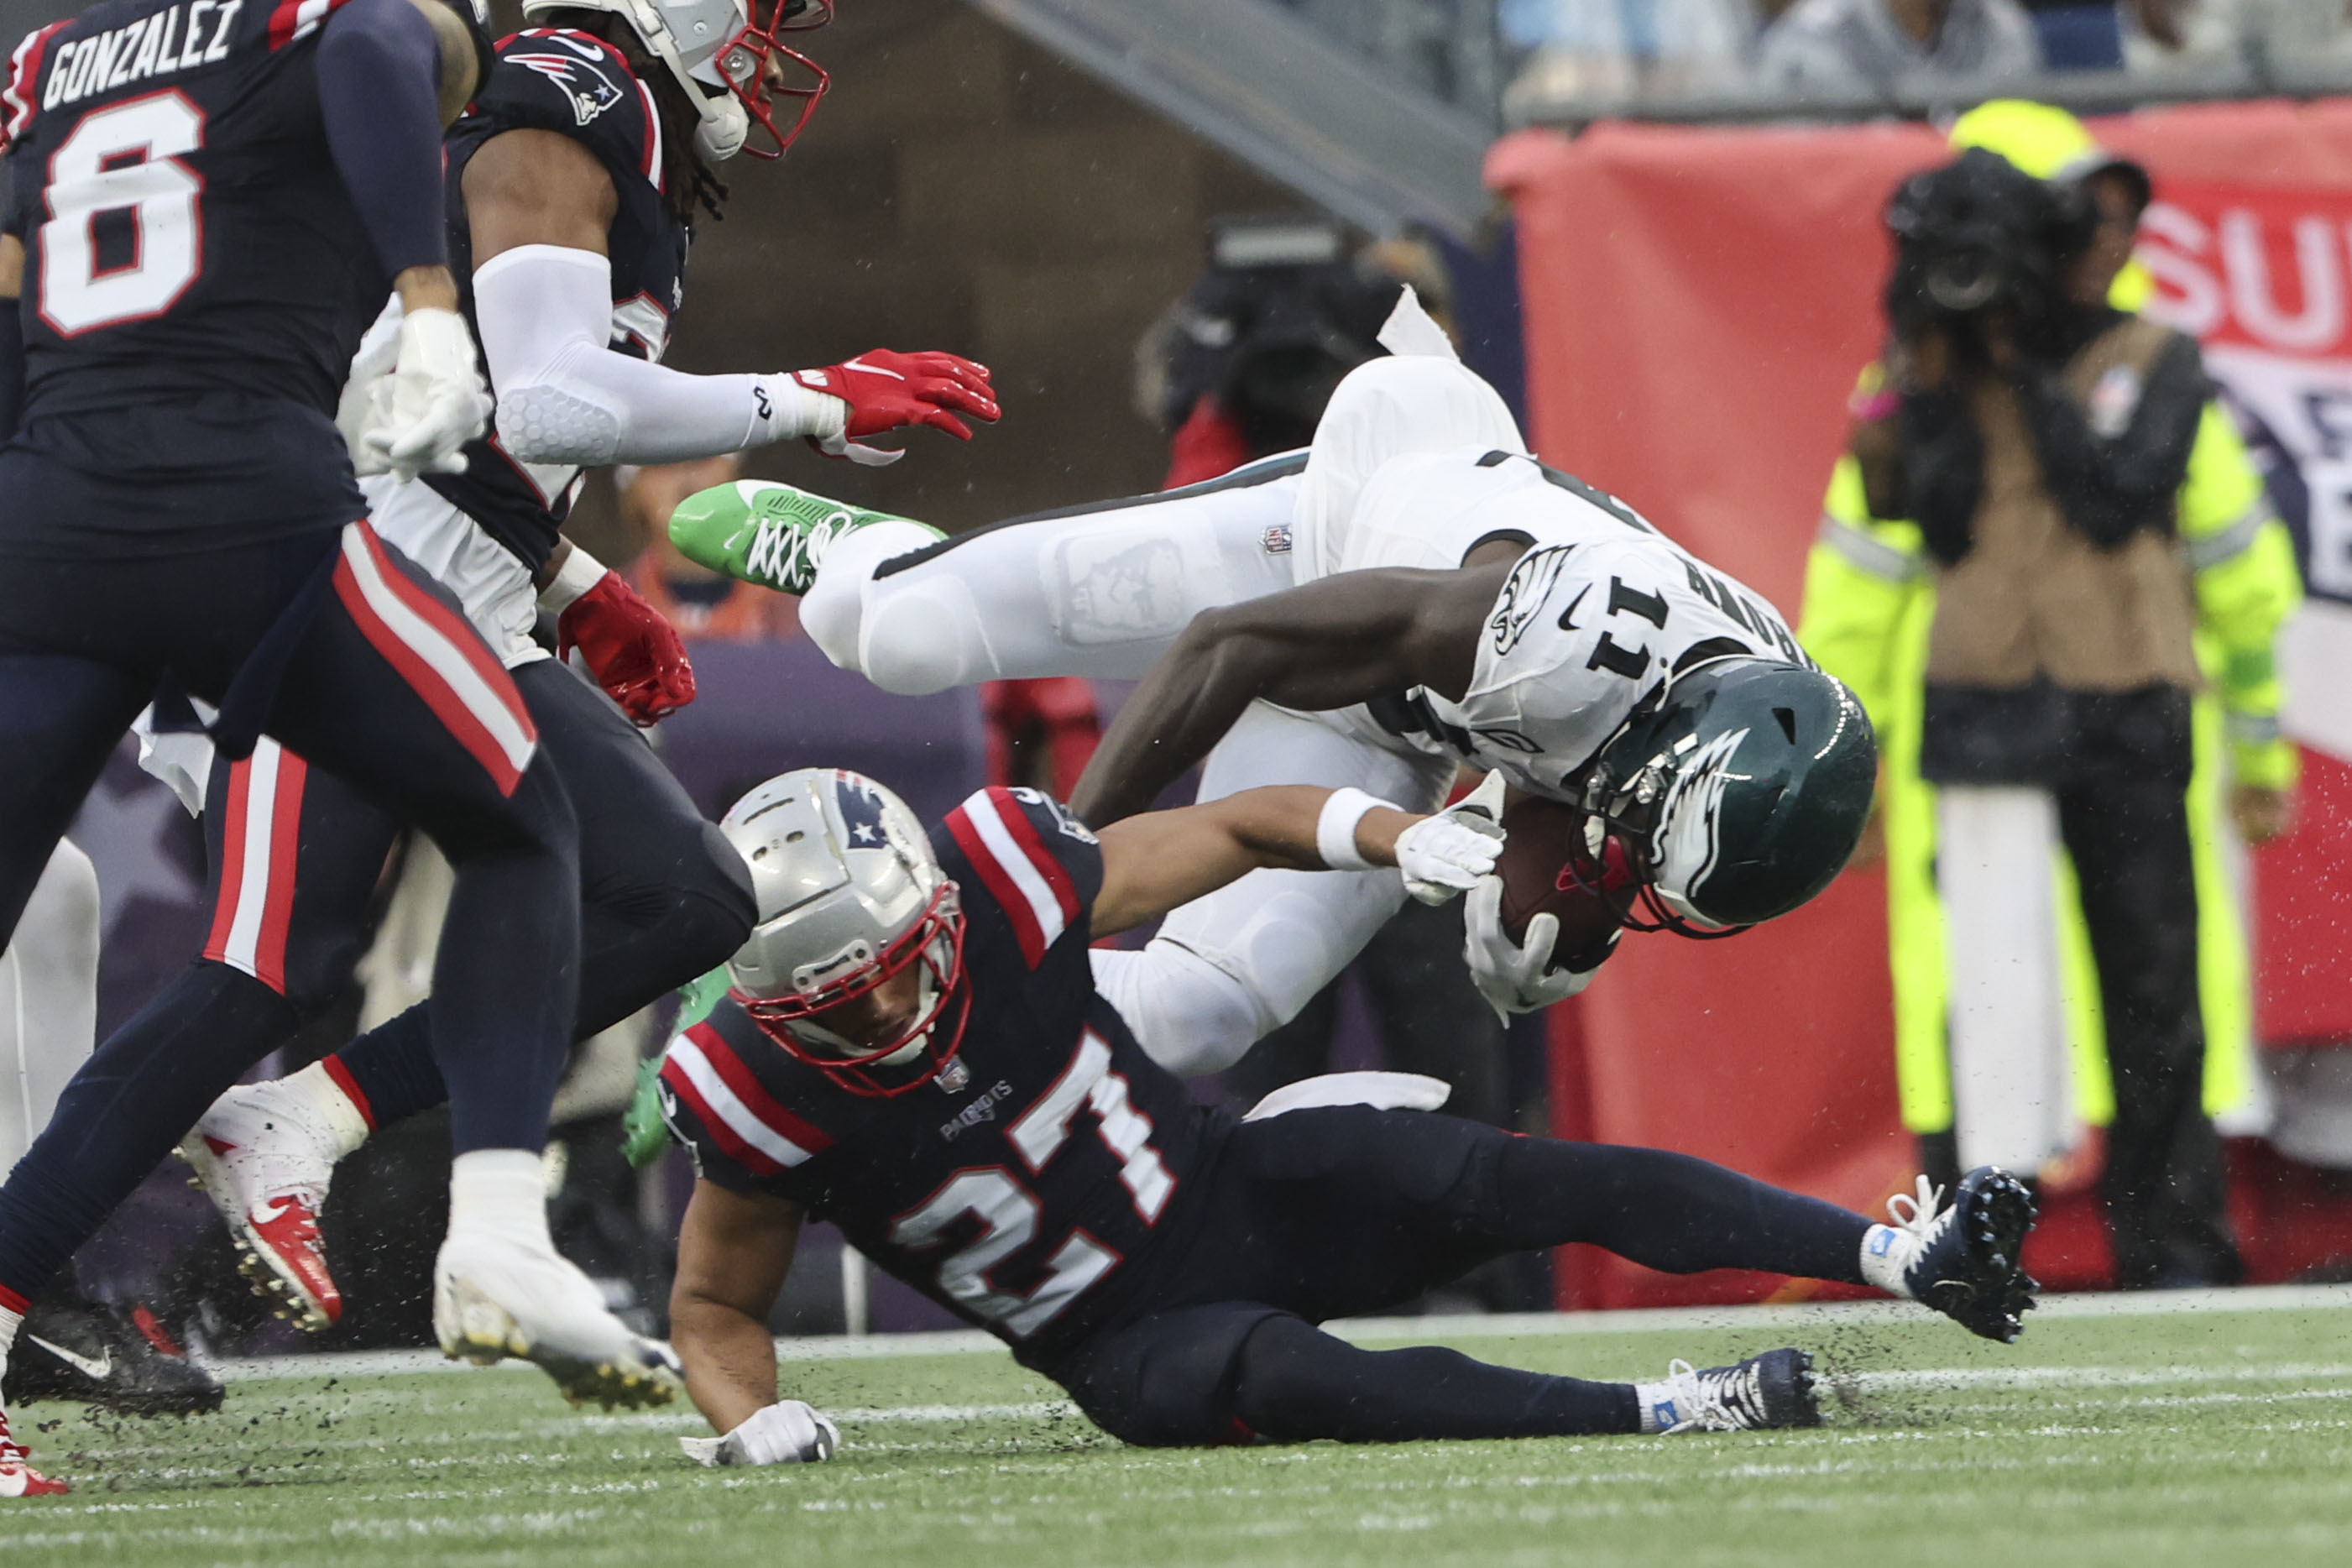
column 1412, row 593
column 915, row 1050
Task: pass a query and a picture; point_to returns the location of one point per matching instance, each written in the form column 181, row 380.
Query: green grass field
column 2207, row 1434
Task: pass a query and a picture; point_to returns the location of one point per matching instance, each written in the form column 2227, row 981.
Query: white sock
column 1886, row 1252
column 1658, row 1411
column 500, row 1193
column 10, row 1321
column 319, row 1088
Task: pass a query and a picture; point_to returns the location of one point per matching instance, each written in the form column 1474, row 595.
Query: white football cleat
column 495, row 1297
column 265, row 1153
column 17, row 1476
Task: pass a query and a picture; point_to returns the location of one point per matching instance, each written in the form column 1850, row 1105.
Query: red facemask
column 935, row 942
column 744, row 63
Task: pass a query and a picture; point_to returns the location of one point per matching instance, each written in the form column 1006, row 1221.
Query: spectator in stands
column 698, row 602
column 1852, row 46
column 1617, row 48
column 2041, row 527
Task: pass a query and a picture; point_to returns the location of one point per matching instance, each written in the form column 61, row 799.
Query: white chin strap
column 726, row 125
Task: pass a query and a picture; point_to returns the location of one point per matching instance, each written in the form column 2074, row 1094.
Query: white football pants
column 49, row 999
column 1102, row 592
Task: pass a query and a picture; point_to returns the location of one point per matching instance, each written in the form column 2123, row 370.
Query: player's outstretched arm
column 1346, row 638
column 1156, row 861
column 537, row 204
column 733, row 1252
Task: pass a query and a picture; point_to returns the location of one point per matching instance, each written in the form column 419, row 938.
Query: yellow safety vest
column 1869, row 603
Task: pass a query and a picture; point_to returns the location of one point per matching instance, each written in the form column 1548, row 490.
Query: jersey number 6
column 1008, row 1211
column 123, row 158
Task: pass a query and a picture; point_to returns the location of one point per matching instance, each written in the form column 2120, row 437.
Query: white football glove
column 1514, row 976
column 1442, row 855
column 415, row 419
column 786, row 1432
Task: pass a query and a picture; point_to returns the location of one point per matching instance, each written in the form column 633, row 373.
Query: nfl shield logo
column 954, row 1077
column 1276, row 539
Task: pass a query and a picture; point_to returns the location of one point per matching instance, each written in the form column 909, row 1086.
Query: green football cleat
column 766, row 532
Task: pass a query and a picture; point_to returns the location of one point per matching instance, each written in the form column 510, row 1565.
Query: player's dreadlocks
column 688, row 182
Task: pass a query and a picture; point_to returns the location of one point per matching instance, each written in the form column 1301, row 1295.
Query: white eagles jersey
column 1601, row 611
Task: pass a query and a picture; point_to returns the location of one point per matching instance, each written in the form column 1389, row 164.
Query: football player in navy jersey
column 211, row 199
column 581, row 159
column 914, row 1049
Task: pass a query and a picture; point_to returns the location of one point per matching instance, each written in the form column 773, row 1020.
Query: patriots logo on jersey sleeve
column 592, row 92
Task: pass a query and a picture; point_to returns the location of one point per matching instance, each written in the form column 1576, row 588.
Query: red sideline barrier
column 1697, row 303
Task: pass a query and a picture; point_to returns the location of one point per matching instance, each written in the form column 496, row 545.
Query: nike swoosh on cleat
column 267, row 1213
column 96, row 1370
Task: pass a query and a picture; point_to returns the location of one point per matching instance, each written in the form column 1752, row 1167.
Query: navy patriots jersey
column 197, row 280
column 550, row 78
column 186, row 232
column 1034, row 1187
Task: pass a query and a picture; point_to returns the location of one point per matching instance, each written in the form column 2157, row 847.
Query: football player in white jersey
column 1413, row 592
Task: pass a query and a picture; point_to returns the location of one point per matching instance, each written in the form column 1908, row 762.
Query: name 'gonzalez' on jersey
column 550, row 78
column 1022, row 1188
column 186, row 232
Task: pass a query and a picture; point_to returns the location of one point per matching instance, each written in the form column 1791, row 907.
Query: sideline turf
column 2209, row 1438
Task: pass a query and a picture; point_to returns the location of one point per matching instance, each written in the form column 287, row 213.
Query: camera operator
column 2032, row 479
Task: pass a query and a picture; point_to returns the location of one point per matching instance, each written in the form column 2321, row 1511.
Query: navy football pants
column 1348, row 1210
column 381, row 682
column 295, row 856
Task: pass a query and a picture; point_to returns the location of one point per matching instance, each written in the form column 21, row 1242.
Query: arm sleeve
column 379, row 68
column 544, row 315
column 2110, row 488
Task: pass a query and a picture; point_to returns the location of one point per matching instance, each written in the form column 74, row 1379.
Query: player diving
column 1412, row 592
column 915, row 1049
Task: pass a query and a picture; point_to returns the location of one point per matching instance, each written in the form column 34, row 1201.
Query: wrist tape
column 1334, row 829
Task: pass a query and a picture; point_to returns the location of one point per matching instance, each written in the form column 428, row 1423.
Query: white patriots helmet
column 849, row 895
column 719, row 52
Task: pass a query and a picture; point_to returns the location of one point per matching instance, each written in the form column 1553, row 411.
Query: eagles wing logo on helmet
column 590, row 90
column 1691, row 821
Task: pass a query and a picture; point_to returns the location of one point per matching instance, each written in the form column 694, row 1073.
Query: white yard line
column 1498, row 1325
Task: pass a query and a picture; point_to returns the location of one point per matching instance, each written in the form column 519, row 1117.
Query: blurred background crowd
column 1171, row 230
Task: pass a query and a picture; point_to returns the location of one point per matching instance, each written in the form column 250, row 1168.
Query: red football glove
column 635, row 654
column 886, row 389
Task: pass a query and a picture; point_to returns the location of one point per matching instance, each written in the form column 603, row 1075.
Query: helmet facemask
column 908, row 1056
column 1639, row 842
column 739, row 68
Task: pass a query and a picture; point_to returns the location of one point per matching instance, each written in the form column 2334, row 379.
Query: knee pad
column 834, row 607
column 1189, row 1014
column 921, row 636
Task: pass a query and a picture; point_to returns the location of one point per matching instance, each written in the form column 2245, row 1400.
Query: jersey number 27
column 1008, row 1211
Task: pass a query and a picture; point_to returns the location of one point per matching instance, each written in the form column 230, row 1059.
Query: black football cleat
column 1967, row 1261
column 69, row 1347
column 1769, row 1391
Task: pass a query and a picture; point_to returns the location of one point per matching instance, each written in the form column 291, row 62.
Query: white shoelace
column 1923, row 1218
column 1727, row 1400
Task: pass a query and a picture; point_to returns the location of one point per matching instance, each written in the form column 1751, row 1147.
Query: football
column 1542, row 834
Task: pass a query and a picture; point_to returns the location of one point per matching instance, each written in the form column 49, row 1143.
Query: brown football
column 1541, row 836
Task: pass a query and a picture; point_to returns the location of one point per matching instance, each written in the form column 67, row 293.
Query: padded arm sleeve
column 544, row 315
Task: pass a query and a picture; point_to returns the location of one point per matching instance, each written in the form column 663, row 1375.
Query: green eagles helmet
column 1737, row 796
